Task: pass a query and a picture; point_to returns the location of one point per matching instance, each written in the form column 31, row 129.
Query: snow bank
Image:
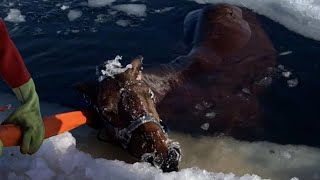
column 15, row 16
column 58, row 158
column 301, row 16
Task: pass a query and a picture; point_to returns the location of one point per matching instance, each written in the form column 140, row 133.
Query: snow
column 81, row 156
column 15, row 16
column 59, row 157
column 74, row 14
column 64, row 7
column 138, row 10
column 301, row 16
column 110, row 68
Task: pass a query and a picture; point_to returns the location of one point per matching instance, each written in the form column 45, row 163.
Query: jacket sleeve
column 12, row 68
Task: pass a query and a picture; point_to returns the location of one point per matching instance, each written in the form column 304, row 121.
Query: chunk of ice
column 205, row 126
column 286, row 74
column 211, row 115
column 285, row 53
column 99, row 3
column 163, row 10
column 15, row 16
column 64, row 7
column 123, row 23
column 292, row 83
column 138, row 10
column 74, row 14
column 102, row 18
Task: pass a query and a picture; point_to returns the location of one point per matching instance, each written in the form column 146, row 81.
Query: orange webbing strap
column 10, row 134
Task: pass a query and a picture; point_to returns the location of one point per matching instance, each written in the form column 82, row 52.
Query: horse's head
column 126, row 105
column 221, row 27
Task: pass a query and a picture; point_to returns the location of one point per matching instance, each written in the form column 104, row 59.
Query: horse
column 214, row 89
column 124, row 106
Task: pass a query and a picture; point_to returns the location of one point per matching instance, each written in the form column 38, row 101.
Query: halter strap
column 125, row 134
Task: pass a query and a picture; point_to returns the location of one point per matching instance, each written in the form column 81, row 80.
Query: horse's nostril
column 171, row 163
column 150, row 160
column 167, row 163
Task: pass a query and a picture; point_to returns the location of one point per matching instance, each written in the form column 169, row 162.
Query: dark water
column 56, row 61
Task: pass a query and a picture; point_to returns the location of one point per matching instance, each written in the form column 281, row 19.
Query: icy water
column 63, row 41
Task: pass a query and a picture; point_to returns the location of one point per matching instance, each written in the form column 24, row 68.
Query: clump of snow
column 211, row 115
column 286, row 74
column 74, row 14
column 301, row 16
column 99, row 3
column 285, row 53
column 64, row 7
column 266, row 81
column 205, row 126
column 102, row 18
column 123, row 22
column 93, row 29
column 15, row 16
column 246, row 90
column 75, row 31
column 138, row 10
column 163, row 10
column 293, row 83
column 110, row 68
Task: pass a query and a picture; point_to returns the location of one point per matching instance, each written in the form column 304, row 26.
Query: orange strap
column 10, row 135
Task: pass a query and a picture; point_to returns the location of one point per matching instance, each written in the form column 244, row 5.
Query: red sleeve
column 12, row 67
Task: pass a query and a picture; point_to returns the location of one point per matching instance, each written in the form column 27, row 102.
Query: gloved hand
column 28, row 117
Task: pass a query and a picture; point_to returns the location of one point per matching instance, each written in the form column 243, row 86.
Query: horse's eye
column 151, row 95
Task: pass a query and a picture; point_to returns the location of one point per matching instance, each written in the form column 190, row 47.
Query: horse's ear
column 190, row 26
column 136, row 68
column 88, row 88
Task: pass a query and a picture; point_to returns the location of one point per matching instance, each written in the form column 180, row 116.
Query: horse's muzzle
column 168, row 163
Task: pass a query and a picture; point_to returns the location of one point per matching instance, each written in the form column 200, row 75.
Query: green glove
column 28, row 117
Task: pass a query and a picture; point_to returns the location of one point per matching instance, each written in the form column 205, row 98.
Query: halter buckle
column 125, row 136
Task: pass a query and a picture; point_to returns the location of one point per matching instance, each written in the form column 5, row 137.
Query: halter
column 125, row 134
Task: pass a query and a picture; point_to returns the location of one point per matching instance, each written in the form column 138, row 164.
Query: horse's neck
column 162, row 79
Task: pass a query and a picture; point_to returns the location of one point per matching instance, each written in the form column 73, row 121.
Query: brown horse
column 214, row 89
column 124, row 106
